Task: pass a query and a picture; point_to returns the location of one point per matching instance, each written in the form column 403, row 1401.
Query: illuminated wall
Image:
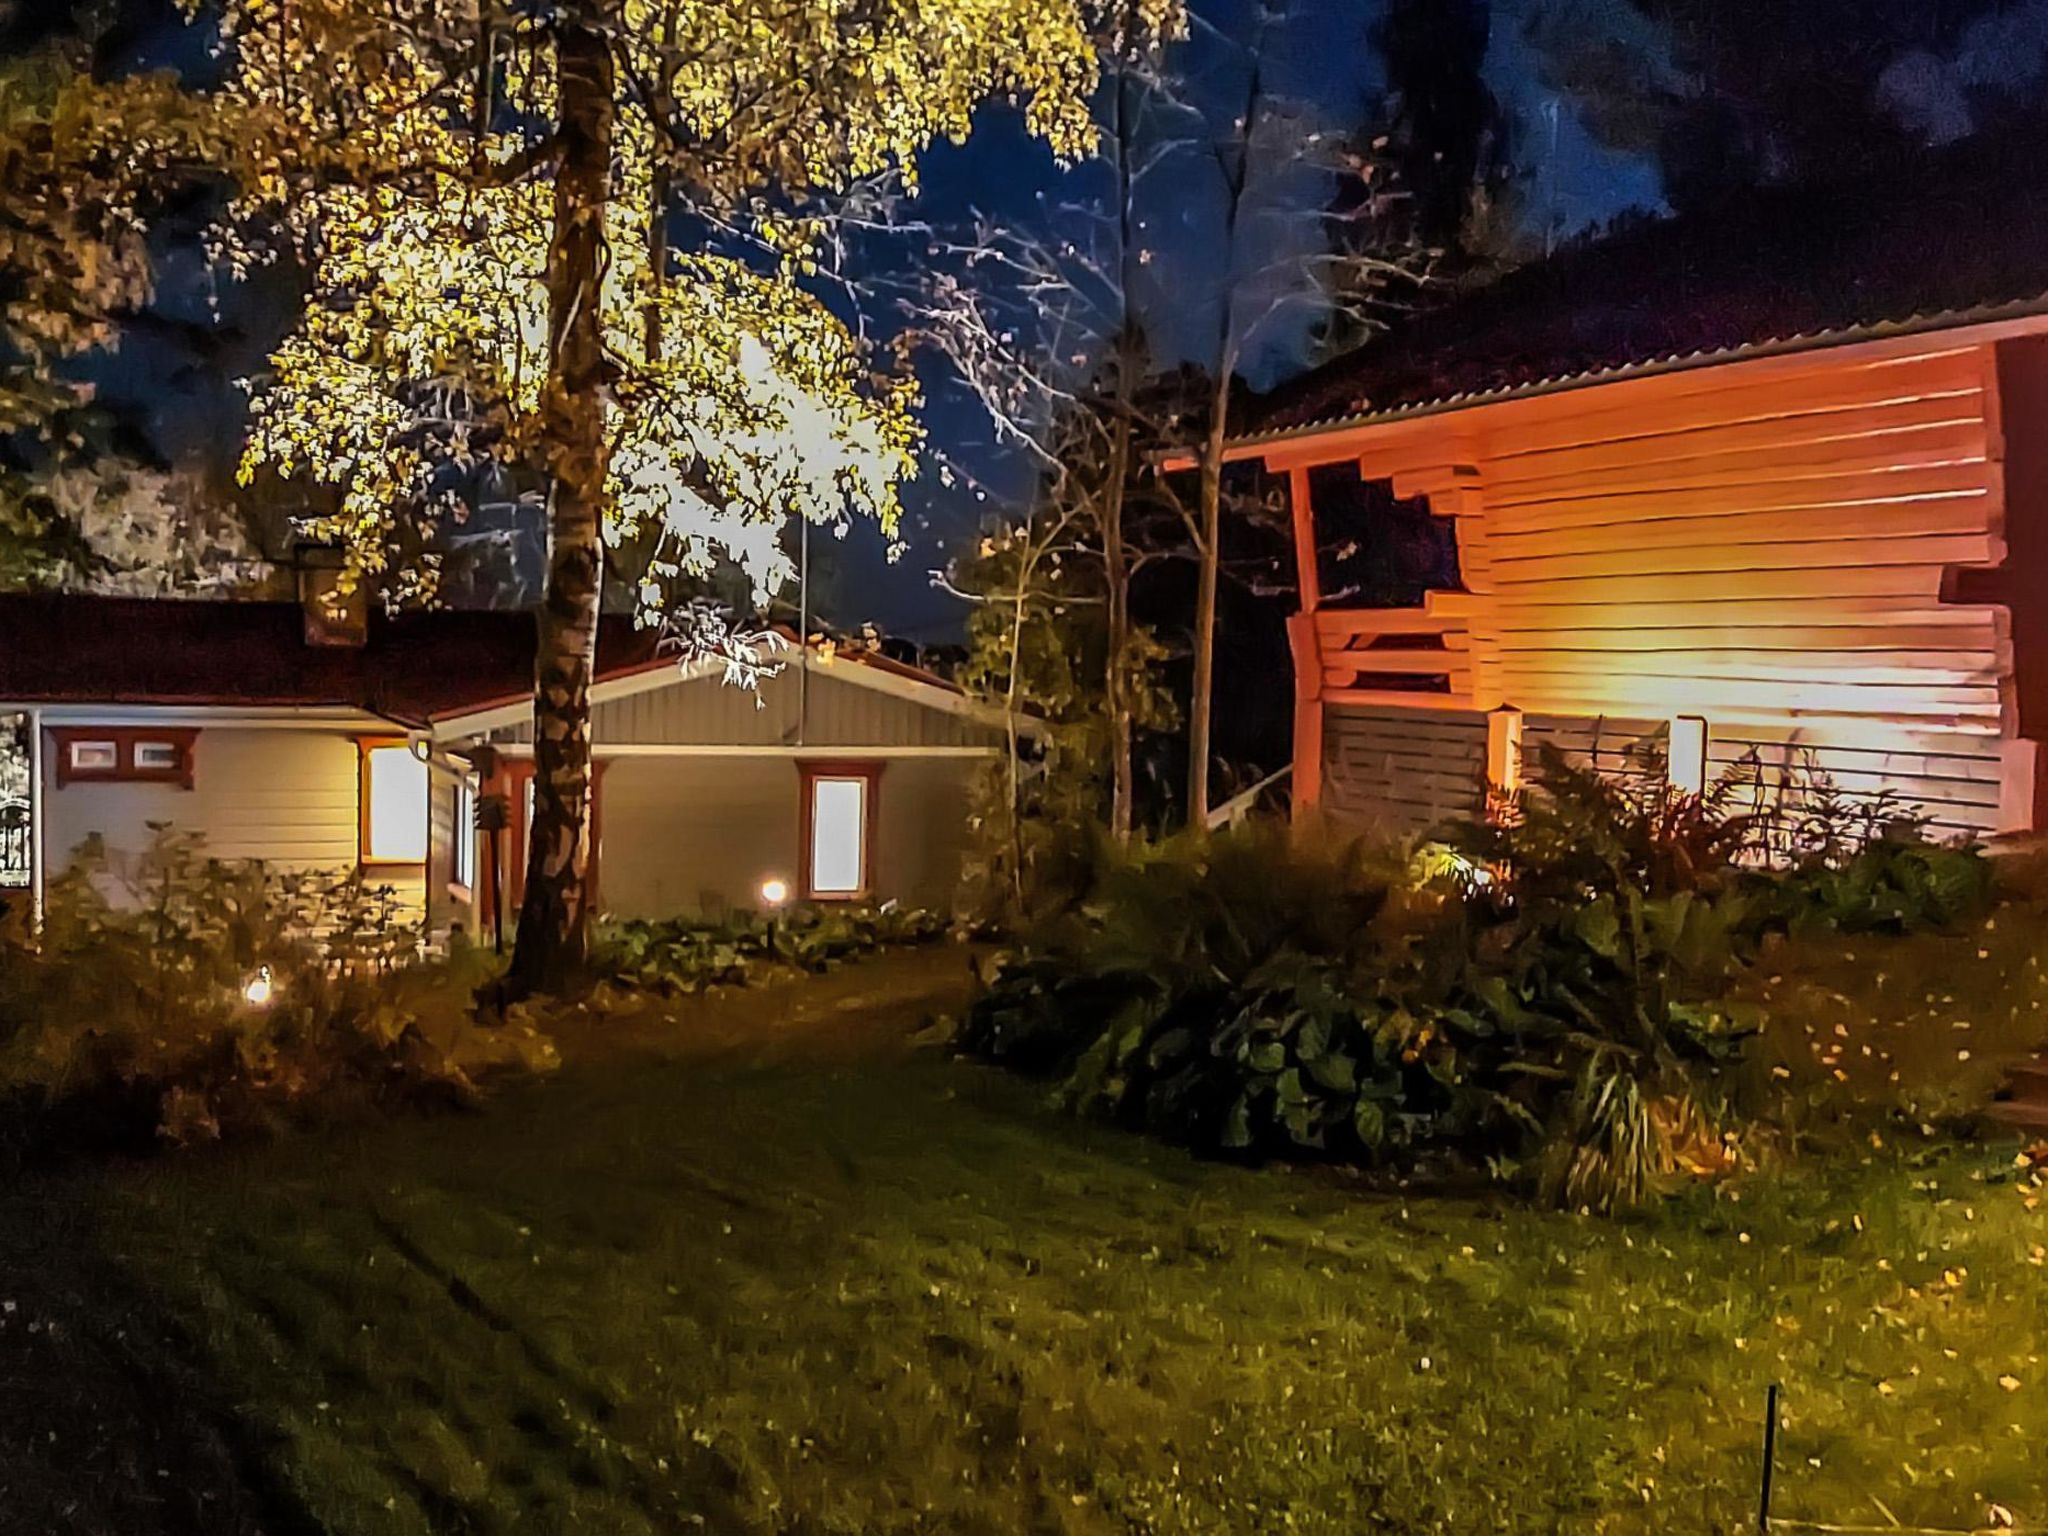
column 1773, row 545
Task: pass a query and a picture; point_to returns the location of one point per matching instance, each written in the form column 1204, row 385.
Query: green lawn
column 842, row 1287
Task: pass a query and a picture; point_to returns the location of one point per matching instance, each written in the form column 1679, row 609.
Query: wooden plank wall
column 1765, row 544
column 1951, row 778
column 1397, row 772
column 1765, row 547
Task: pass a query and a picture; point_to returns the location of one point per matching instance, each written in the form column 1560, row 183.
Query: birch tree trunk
column 554, row 916
column 1210, row 554
column 1117, row 582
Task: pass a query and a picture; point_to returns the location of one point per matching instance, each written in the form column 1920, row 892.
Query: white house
column 311, row 739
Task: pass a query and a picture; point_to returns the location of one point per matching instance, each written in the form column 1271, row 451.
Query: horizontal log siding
column 1762, row 546
column 1397, row 772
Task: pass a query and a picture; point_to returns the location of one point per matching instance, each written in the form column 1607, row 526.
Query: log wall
column 1773, row 545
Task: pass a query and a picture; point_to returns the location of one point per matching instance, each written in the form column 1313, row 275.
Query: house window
column 462, row 835
column 156, row 757
column 838, row 824
column 95, row 757
column 105, row 755
column 394, row 795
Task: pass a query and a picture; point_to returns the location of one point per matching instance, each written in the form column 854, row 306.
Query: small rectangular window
column 97, row 754
column 394, row 805
column 463, row 873
column 95, row 757
column 838, row 828
column 157, row 757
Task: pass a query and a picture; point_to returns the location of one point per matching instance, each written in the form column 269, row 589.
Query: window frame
column 124, row 740
column 463, row 835
column 811, row 773
column 365, row 746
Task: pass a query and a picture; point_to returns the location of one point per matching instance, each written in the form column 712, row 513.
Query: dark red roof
column 108, row 650
column 1957, row 235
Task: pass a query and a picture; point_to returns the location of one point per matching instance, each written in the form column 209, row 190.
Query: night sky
column 185, row 402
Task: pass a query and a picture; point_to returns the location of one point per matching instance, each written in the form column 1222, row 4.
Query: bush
column 222, row 997
column 1543, row 997
column 689, row 954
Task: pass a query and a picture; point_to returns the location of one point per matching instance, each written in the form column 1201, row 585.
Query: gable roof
column 1953, row 238
column 413, row 668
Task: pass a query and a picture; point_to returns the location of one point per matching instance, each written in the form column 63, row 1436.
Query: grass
column 834, row 1286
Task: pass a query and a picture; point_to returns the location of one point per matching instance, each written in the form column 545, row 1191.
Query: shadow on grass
column 107, row 1422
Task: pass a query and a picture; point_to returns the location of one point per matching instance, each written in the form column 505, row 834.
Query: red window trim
column 809, row 772
column 365, row 745
column 124, row 739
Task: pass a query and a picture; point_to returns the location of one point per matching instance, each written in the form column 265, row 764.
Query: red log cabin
column 1590, row 523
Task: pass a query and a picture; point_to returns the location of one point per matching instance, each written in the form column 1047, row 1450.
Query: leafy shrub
column 1544, row 996
column 1897, row 883
column 688, row 954
column 132, row 1022
column 1184, row 918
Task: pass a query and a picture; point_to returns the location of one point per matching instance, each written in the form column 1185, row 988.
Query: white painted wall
column 288, row 797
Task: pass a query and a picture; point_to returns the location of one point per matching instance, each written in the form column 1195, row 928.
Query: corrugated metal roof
column 1779, row 346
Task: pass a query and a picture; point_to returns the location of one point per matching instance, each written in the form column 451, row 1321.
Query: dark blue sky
column 1319, row 58
column 186, row 401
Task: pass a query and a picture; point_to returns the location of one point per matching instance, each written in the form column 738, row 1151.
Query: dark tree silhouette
column 1446, row 135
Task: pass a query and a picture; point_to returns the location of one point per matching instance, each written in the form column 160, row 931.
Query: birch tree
column 583, row 237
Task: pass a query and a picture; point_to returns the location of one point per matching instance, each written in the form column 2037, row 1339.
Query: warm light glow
column 1504, row 750
column 838, row 836
column 774, row 892
column 395, row 817
column 257, row 991
column 1688, row 764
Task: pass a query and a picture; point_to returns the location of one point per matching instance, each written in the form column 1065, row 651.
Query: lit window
column 95, row 757
column 464, row 835
column 1688, row 766
column 837, row 809
column 394, row 792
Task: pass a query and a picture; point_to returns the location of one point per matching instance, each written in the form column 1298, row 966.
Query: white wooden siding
column 287, row 797
column 839, row 713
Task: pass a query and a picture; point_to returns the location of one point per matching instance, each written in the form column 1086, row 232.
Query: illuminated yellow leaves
column 737, row 397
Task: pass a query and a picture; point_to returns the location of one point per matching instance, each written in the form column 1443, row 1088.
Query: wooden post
column 1504, row 750
column 38, row 874
column 1308, row 712
column 1763, row 1509
column 1307, row 574
column 1307, row 648
column 1686, row 760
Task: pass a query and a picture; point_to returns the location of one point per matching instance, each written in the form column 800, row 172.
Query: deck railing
column 1413, row 657
column 17, row 859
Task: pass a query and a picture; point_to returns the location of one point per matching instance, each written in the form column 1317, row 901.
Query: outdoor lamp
column 774, row 891
column 257, row 990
